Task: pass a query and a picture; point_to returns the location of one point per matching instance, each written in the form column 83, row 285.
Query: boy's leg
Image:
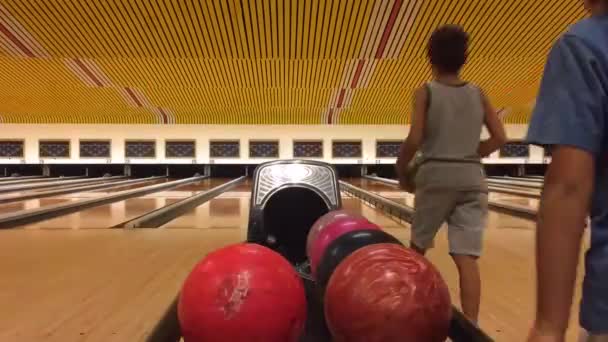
column 465, row 234
column 470, row 285
column 432, row 207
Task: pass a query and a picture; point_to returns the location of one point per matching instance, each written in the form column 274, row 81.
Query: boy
column 571, row 115
column 450, row 183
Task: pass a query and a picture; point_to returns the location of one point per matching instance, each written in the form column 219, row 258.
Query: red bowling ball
column 242, row 293
column 332, row 230
column 387, row 293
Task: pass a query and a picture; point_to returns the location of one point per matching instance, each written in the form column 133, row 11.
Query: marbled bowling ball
column 387, row 293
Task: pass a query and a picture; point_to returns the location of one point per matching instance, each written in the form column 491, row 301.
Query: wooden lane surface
column 94, row 285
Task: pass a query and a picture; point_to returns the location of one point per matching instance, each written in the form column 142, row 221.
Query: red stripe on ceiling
column 388, row 28
column 132, row 95
column 162, row 112
column 353, row 85
column 341, row 98
column 330, row 116
column 16, row 41
column 88, row 72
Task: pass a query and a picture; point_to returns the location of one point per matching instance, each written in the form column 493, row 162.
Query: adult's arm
column 564, row 207
column 569, row 116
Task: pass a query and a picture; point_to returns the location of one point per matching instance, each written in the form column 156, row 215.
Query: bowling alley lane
column 109, row 215
column 95, row 285
column 40, row 191
column 138, row 272
column 406, row 198
column 48, row 201
column 495, row 220
column 230, row 210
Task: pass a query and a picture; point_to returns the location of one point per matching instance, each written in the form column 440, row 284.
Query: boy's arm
column 568, row 115
column 414, row 139
column 498, row 136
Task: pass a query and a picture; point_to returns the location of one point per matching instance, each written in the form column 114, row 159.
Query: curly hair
column 448, row 48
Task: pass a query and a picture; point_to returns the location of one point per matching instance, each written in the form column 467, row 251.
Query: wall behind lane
column 117, row 134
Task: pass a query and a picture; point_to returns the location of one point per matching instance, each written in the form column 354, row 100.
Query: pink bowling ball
column 321, row 223
column 332, row 231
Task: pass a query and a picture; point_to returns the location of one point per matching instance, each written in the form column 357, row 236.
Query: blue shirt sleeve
column 570, row 105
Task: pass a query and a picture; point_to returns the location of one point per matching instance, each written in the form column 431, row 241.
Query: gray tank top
column 454, row 120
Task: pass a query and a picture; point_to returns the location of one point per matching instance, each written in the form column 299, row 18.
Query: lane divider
column 158, row 217
column 69, row 190
column 54, row 183
column 31, row 180
column 402, row 212
column 517, row 179
column 3, row 180
column 28, row 216
column 26, row 182
column 519, row 184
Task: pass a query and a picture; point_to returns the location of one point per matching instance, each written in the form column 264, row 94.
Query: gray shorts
column 465, row 213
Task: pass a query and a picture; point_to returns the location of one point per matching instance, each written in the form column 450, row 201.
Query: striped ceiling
column 259, row 62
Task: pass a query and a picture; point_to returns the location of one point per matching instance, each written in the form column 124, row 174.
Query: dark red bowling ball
column 344, row 246
column 387, row 293
column 242, row 293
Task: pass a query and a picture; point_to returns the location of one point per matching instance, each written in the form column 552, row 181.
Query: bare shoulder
column 421, row 93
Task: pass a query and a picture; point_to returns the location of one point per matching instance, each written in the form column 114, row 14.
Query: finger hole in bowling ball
column 288, row 216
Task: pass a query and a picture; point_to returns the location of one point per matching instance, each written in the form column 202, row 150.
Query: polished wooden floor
column 114, row 284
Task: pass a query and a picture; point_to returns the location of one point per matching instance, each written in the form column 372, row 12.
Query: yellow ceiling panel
column 259, row 62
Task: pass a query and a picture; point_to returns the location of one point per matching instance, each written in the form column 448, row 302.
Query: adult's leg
column 465, row 234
